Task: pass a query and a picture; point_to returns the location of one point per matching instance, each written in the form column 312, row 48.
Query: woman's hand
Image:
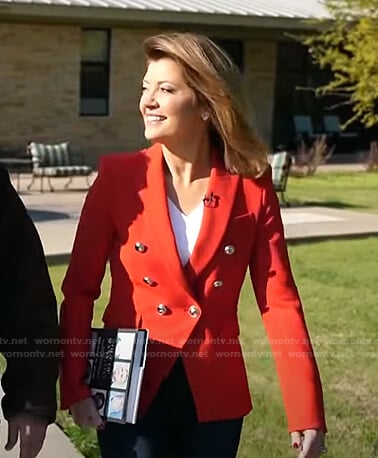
column 309, row 443
column 85, row 413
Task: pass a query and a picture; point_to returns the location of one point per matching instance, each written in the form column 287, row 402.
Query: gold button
column 162, row 309
column 194, row 311
column 229, row 249
column 140, row 247
column 149, row 281
column 218, row 284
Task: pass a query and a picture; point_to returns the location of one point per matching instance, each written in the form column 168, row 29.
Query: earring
column 205, row 116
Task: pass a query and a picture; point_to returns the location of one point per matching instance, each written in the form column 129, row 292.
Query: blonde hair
column 216, row 82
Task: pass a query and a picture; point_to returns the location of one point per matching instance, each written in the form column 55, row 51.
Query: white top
column 186, row 228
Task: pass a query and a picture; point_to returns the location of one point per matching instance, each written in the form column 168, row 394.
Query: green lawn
column 338, row 282
column 353, row 191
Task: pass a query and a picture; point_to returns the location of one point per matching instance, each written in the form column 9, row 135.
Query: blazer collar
column 221, row 194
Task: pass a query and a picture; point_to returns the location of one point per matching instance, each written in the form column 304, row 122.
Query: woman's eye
column 166, row 89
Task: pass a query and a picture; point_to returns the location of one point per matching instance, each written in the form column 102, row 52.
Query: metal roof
column 290, row 9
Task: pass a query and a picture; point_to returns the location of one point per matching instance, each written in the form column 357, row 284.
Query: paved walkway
column 56, row 216
column 56, row 445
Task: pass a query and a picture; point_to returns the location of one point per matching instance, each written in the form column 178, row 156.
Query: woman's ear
column 205, row 116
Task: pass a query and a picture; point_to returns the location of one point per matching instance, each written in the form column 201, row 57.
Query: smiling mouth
column 154, row 118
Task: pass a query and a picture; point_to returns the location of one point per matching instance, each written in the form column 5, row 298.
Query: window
column 94, row 72
column 235, row 50
column 296, row 79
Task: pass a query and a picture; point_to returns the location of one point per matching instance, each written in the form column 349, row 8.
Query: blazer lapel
column 219, row 201
column 218, row 206
column 159, row 222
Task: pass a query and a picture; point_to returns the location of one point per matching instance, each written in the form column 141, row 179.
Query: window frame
column 106, row 66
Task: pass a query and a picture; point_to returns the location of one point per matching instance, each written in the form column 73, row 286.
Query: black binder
column 116, row 365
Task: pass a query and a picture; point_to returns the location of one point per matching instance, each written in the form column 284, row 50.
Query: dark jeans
column 171, row 429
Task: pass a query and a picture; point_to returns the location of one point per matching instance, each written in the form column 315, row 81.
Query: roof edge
column 58, row 13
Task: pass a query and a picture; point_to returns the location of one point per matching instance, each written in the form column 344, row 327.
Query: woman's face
column 120, row 374
column 116, row 403
column 168, row 105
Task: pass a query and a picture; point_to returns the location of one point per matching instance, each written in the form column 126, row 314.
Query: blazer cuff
column 47, row 413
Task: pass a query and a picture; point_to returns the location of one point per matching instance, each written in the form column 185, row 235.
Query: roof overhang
column 100, row 15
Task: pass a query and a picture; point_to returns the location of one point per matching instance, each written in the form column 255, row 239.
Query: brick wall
column 39, row 88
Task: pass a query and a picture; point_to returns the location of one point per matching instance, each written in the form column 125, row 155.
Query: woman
column 181, row 222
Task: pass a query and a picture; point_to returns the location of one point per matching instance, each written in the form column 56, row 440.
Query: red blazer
column 190, row 311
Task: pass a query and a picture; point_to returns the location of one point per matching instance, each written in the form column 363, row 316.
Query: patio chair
column 57, row 160
column 281, row 164
column 303, row 125
column 304, row 130
column 332, row 126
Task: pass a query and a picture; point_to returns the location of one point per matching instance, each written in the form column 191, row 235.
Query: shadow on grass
column 327, row 204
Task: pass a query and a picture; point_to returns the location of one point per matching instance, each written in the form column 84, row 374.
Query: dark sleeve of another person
column 28, row 313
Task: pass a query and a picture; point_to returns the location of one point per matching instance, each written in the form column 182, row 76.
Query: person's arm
column 28, row 324
column 81, row 287
column 283, row 318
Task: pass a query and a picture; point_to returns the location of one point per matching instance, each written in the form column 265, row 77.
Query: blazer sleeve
column 283, row 318
column 82, row 286
column 29, row 324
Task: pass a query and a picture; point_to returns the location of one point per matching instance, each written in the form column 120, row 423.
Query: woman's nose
column 149, row 99
column 152, row 103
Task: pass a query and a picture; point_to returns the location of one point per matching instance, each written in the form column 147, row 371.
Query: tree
column 348, row 46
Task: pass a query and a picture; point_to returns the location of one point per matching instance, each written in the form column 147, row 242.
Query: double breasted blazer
column 191, row 310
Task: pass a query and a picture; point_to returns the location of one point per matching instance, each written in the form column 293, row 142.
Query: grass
column 355, row 190
column 338, row 284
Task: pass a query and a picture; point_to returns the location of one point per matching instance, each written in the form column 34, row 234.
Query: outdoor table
column 17, row 166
